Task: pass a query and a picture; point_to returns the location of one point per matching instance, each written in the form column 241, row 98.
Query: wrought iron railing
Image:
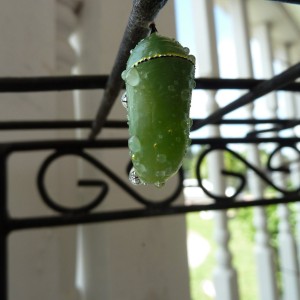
column 148, row 207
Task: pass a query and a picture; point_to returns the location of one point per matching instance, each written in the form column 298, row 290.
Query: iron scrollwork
column 103, row 185
column 264, row 175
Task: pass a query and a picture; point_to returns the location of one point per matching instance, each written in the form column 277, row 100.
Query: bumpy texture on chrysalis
column 159, row 80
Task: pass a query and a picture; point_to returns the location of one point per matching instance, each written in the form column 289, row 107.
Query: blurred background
column 228, row 255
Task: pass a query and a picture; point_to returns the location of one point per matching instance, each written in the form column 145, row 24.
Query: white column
column 40, row 266
column 298, row 225
column 286, row 242
column 264, row 255
column 129, row 260
column 67, row 168
column 292, row 54
column 288, row 57
column 201, row 27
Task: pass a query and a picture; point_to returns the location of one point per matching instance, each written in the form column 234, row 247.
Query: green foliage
column 241, row 248
column 188, row 164
column 204, row 272
column 242, row 232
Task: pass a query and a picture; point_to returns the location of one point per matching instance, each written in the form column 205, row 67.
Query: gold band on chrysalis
column 144, row 59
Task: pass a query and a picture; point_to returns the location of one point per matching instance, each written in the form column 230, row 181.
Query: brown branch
column 142, row 15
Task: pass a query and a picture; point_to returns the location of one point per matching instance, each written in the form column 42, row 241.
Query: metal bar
column 142, row 15
column 48, row 84
column 63, row 124
column 3, row 227
column 92, row 82
column 282, row 122
column 250, row 140
column 65, row 145
column 67, row 220
column 75, row 145
column 117, row 124
column 240, row 84
column 3, row 265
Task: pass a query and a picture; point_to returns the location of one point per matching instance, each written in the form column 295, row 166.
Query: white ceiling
column 284, row 18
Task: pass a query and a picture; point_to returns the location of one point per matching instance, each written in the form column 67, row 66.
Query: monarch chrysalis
column 159, row 80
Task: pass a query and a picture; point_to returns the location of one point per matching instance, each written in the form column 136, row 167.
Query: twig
column 142, row 15
column 260, row 90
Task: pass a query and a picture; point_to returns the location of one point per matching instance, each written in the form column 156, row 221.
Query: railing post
column 290, row 112
column 264, row 255
column 225, row 276
column 286, row 242
column 67, row 170
column 3, row 230
column 294, row 57
column 290, row 55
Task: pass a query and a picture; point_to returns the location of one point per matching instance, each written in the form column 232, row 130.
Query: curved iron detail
column 103, row 185
column 242, row 177
column 274, row 129
column 54, row 204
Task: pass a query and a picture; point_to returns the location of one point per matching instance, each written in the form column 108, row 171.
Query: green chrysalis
column 159, row 80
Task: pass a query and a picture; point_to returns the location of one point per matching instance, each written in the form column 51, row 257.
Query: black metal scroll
column 146, row 207
column 67, row 215
column 104, row 187
column 264, row 174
